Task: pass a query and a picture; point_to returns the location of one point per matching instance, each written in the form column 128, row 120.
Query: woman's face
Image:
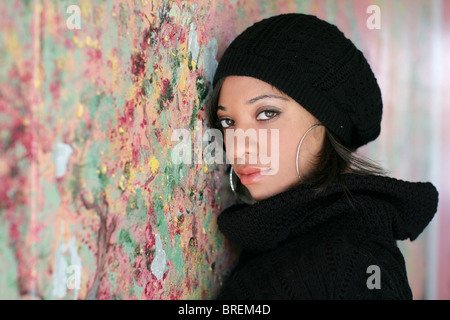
column 249, row 103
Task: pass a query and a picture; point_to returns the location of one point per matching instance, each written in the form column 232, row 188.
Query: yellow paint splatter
column 154, row 164
column 59, row 64
column 80, row 110
column 205, row 168
column 122, row 179
column 121, row 130
column 104, row 170
column 203, row 230
column 183, row 76
column 85, row 10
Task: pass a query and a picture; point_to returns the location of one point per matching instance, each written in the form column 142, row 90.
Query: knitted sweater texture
column 298, row 245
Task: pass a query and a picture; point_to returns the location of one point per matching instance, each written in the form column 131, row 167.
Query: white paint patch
column 59, row 288
column 193, row 43
column 209, row 60
column 174, row 12
column 61, row 156
column 75, row 260
column 159, row 263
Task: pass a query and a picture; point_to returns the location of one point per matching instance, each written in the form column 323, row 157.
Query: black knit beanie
column 313, row 62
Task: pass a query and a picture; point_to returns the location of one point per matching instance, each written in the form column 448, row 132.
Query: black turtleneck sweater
column 296, row 245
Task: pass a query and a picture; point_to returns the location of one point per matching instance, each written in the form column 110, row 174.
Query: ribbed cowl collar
column 265, row 224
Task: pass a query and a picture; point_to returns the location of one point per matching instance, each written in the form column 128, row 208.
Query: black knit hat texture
column 315, row 64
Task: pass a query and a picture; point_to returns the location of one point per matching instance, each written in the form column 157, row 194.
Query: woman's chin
column 261, row 192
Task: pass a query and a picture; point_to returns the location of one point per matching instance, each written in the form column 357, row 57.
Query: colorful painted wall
column 91, row 204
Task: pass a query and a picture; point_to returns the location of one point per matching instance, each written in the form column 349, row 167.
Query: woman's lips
column 251, row 178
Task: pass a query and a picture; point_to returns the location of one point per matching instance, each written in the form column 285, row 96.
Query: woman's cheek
column 287, row 148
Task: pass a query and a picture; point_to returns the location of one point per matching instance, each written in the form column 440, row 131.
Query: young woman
column 317, row 221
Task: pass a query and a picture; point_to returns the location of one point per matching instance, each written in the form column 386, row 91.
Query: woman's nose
column 245, row 146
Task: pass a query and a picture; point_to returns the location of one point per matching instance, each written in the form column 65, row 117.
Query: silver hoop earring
column 298, row 149
column 231, row 180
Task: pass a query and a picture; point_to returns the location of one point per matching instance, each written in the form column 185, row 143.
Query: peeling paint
column 210, row 62
column 193, row 43
column 61, row 158
column 59, row 284
column 159, row 263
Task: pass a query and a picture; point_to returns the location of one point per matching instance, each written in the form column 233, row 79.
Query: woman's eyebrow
column 266, row 96
column 253, row 100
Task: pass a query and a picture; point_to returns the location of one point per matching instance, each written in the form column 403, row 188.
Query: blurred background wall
column 91, row 205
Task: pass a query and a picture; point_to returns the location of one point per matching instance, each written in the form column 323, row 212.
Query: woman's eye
column 269, row 113
column 223, row 123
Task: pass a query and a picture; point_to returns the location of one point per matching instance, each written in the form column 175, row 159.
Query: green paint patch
column 127, row 243
column 176, row 255
column 172, row 175
column 241, row 12
column 136, row 209
column 51, row 196
column 112, row 277
column 81, row 133
column 202, row 89
column 147, row 88
column 195, row 110
column 8, row 266
column 106, row 118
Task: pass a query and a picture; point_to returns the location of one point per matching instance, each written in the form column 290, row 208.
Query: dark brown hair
column 330, row 164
